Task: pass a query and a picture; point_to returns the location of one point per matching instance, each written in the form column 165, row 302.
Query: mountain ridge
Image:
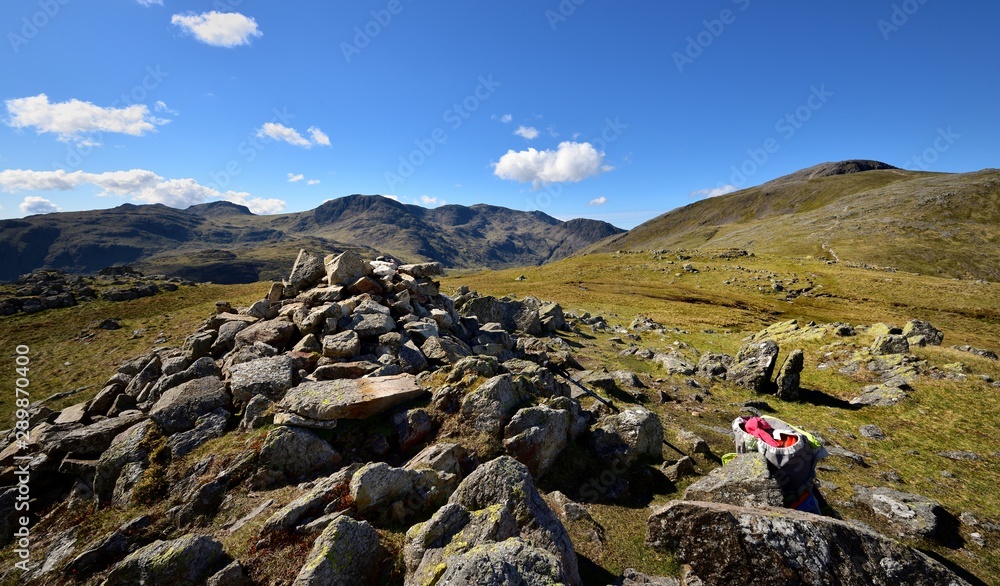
column 224, row 242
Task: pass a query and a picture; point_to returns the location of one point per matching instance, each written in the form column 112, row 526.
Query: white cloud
column 528, row 132
column 73, row 119
column 276, row 131
column 292, row 177
column 219, row 29
column 38, row 205
column 571, row 162
column 704, row 193
column 138, row 184
column 506, row 119
column 312, row 182
column 597, row 201
column 318, row 136
column 161, row 106
column 431, row 201
column 148, row 3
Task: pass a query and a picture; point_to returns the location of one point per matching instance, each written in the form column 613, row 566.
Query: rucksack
column 792, row 461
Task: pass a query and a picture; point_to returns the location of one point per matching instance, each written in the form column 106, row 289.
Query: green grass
column 68, row 353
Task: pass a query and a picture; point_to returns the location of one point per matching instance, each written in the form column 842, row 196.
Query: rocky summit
column 355, row 425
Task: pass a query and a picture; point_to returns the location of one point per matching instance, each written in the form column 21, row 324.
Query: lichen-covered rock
column 512, row 561
column 306, row 272
column 789, row 376
column 186, row 561
column 206, row 427
column 915, row 328
column 273, row 332
column 882, row 395
column 180, row 407
column 911, row 515
column 369, row 324
column 627, row 436
column 204, row 366
column 296, row 453
column 674, row 363
column 346, row 344
column 495, row 529
column 349, row 399
column 754, row 366
column 726, row 544
column 536, row 436
column 745, row 481
column 345, row 554
column 445, row 350
column 198, row 344
column 89, row 440
column 711, row 364
column 345, row 268
column 489, row 407
column 890, row 344
column 270, row 377
column 126, row 448
column 378, row 485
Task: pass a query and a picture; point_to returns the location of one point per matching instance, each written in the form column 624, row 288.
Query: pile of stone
column 341, row 339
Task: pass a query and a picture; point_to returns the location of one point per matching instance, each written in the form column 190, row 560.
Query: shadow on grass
column 959, row 570
column 821, row 399
column 593, row 574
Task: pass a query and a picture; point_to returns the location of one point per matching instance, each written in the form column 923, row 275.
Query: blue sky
column 580, row 108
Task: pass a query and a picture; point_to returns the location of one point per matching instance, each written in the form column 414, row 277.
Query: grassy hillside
column 933, row 223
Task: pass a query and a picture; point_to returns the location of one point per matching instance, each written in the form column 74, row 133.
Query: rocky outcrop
column 789, row 376
column 628, row 436
column 745, row 482
column 495, row 529
column 754, row 365
column 927, row 333
column 327, row 401
column 186, row 561
column 345, row 554
column 910, row 515
column 727, row 544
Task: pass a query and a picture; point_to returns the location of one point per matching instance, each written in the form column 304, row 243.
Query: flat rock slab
column 726, row 544
column 349, row 399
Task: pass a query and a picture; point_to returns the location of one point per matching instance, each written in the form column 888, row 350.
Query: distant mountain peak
column 219, row 208
column 838, row 168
